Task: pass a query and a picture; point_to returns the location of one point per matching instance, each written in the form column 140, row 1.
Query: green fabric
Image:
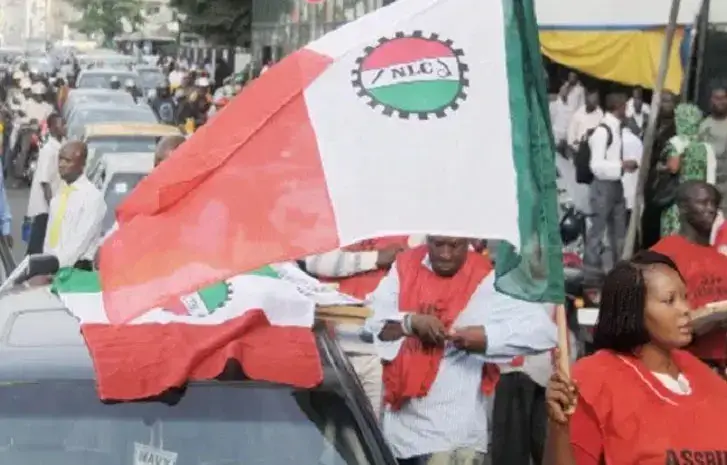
column 536, row 272
column 75, row 280
column 693, row 163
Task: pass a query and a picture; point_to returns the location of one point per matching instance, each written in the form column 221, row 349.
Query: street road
column 18, row 199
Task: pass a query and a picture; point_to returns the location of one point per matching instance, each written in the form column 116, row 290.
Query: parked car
column 94, row 113
column 124, row 137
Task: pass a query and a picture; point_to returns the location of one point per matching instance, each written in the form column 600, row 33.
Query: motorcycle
column 26, row 172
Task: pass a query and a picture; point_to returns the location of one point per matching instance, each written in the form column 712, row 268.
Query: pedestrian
column 640, row 398
column 687, row 158
column 637, row 112
column 633, row 149
column 45, row 184
column 704, row 269
column 585, row 120
column 606, row 193
column 714, row 131
column 76, row 211
column 439, row 326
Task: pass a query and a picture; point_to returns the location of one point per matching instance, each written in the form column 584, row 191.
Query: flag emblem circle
column 412, row 75
column 202, row 303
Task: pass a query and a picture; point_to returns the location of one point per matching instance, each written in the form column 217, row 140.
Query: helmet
column 25, row 83
column 38, row 89
column 129, row 83
column 202, row 82
column 18, row 75
column 572, row 225
column 114, row 79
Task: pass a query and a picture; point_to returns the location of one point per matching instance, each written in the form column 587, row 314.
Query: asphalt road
column 18, row 199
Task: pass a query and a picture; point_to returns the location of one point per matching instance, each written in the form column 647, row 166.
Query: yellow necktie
column 55, row 229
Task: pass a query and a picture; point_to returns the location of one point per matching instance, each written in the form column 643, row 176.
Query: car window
column 125, row 144
column 118, row 187
column 232, row 423
column 103, row 80
column 151, row 78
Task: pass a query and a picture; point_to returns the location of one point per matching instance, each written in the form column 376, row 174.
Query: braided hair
column 620, row 325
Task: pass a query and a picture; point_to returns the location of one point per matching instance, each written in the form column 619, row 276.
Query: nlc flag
column 424, row 117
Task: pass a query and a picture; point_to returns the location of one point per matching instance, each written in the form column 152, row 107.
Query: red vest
column 363, row 284
column 412, row 372
column 705, row 272
column 641, row 421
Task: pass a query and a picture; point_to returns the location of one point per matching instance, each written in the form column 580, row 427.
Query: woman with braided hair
column 640, row 398
column 687, row 157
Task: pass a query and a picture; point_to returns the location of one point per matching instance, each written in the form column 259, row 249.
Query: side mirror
column 40, row 265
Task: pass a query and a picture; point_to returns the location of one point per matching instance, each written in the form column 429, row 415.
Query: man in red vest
column 357, row 271
column 440, row 327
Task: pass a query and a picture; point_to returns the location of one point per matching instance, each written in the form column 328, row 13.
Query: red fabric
column 243, row 192
column 705, row 272
column 720, row 239
column 138, row 361
column 412, row 372
column 363, row 284
column 638, row 420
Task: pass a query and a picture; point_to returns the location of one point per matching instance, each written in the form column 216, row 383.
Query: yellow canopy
column 627, row 56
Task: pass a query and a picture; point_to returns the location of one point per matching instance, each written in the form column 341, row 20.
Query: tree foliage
column 106, row 16
column 224, row 22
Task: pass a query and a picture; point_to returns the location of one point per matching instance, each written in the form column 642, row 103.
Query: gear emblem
column 202, row 303
column 412, row 75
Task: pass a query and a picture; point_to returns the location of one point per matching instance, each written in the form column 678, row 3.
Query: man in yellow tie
column 76, row 211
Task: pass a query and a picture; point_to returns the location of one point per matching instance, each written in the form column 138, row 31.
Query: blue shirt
column 6, row 215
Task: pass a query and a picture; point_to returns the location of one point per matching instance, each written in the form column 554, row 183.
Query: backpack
column 582, row 158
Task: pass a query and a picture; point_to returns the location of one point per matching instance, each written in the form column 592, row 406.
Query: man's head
column 616, row 104
column 698, row 202
column 718, row 100
column 592, row 100
column 165, row 147
column 130, row 85
column 56, row 126
column 572, row 78
column 72, row 160
column 668, row 104
column 637, row 96
column 447, row 254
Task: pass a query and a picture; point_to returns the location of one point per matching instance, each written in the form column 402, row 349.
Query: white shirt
column 45, row 173
column 606, row 159
column 175, row 78
column 39, row 111
column 559, row 117
column 581, row 123
column 633, row 150
column 81, row 223
column 630, row 112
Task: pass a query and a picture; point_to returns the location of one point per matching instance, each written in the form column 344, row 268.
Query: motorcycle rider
column 114, row 83
column 130, row 87
column 34, row 111
column 164, row 104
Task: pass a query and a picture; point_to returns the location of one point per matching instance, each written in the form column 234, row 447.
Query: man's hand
column 470, row 338
column 629, row 166
column 392, row 331
column 9, row 240
column 387, row 256
column 429, row 329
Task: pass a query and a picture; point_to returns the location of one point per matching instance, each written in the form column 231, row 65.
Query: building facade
column 280, row 27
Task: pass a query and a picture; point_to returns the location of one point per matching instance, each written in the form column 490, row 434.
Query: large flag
column 260, row 320
column 424, row 117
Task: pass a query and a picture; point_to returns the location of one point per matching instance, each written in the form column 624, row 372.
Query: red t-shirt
column 705, row 272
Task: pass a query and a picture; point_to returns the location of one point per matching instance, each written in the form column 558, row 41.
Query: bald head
column 166, row 146
column 72, row 160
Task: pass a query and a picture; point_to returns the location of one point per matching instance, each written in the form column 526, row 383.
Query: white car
column 115, row 175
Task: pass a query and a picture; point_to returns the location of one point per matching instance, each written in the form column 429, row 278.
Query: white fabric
column 45, row 173
column 633, row 149
column 559, row 118
column 175, row 78
column 631, row 113
column 680, row 143
column 440, row 173
column 606, row 159
column 81, row 224
column 679, row 386
column 581, row 123
column 39, row 111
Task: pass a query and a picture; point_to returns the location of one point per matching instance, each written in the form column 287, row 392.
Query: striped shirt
column 454, row 414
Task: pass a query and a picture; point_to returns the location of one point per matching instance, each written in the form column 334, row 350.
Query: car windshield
column 126, row 144
column 118, row 188
column 113, row 115
column 118, row 96
column 151, row 78
column 231, row 423
column 103, row 80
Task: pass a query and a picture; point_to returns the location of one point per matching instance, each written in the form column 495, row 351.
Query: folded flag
column 257, row 319
column 423, row 117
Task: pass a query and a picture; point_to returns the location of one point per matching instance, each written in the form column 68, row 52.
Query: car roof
column 93, row 91
column 129, row 129
column 108, row 71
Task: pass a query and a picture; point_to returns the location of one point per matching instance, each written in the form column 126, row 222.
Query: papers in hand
column 323, row 294
column 707, row 318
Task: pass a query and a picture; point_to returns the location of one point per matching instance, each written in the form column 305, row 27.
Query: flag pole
column 650, row 136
